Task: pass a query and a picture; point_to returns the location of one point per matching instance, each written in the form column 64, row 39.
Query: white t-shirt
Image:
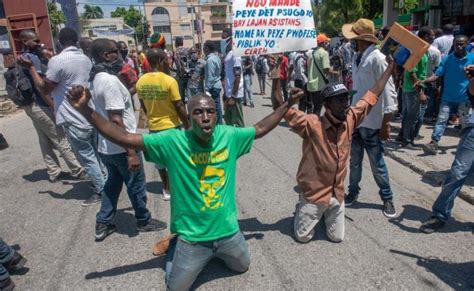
column 231, row 62
column 71, row 67
column 444, row 44
column 434, row 59
column 108, row 93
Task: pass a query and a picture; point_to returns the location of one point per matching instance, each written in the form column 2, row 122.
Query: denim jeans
column 117, row 166
column 411, row 114
column 421, row 118
column 84, row 144
column 6, row 254
column 445, row 110
column 185, row 260
column 182, row 86
column 216, row 95
column 248, row 99
column 462, row 168
column 369, row 139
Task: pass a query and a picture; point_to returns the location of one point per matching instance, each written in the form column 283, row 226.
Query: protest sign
column 272, row 26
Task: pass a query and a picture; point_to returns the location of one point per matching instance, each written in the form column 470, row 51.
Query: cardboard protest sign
column 406, row 48
column 272, row 26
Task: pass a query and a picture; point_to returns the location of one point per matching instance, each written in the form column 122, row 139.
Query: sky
column 108, row 5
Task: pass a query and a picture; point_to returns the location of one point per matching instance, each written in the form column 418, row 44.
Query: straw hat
column 363, row 29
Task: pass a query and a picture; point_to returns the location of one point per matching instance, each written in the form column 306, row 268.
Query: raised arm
column 265, row 125
column 79, row 99
column 44, row 85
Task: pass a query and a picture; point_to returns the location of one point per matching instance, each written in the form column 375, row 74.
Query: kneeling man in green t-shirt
column 201, row 163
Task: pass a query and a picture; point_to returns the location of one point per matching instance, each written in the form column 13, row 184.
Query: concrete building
column 176, row 18
column 112, row 28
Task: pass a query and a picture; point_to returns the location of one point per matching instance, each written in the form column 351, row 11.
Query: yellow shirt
column 158, row 91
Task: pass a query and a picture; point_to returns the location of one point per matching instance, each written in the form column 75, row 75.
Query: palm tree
column 92, row 12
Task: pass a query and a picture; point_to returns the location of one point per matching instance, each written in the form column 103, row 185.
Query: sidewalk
column 432, row 168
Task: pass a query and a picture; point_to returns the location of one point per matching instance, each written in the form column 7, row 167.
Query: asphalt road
column 49, row 226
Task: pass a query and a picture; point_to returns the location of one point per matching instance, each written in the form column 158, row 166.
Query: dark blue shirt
column 39, row 68
column 455, row 80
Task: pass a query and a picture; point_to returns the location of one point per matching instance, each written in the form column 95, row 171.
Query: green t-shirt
column 316, row 80
column 420, row 71
column 202, row 179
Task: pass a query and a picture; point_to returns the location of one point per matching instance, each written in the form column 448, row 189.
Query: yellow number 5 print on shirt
column 211, row 179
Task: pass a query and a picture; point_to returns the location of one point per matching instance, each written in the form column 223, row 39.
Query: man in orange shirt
column 326, row 148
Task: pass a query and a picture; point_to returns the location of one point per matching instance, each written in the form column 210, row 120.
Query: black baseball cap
column 335, row 89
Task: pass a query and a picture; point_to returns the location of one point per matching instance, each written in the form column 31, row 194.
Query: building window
column 185, row 27
column 218, row 27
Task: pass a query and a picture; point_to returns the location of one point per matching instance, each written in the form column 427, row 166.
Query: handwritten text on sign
column 272, row 26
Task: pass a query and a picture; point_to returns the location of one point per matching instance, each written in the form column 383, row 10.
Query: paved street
column 49, row 226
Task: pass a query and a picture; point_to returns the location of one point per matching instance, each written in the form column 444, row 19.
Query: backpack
column 260, row 66
column 182, row 60
column 18, row 86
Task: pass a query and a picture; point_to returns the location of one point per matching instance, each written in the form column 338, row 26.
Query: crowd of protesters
column 84, row 107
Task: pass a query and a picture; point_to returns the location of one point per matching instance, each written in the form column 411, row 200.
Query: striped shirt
column 69, row 68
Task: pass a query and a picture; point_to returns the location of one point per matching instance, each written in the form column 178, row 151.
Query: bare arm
column 183, row 115
column 235, row 87
column 271, row 121
column 116, row 118
column 79, row 97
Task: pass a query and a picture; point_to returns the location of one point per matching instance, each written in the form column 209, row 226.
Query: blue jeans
column 84, row 145
column 185, row 260
column 369, row 139
column 462, row 168
column 411, row 114
column 445, row 110
column 216, row 95
column 182, row 86
column 6, row 254
column 248, row 99
column 421, row 118
column 117, row 166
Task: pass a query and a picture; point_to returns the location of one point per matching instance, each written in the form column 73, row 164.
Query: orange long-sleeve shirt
column 326, row 148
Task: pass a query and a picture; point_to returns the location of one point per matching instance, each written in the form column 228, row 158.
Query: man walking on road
column 326, row 144
column 41, row 113
column 202, row 165
column 461, row 169
column 162, row 103
column 368, row 66
column 454, row 88
column 113, row 101
column 212, row 76
column 71, row 67
column 233, row 83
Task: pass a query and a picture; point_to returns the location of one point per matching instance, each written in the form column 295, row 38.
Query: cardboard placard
column 272, row 26
column 406, row 48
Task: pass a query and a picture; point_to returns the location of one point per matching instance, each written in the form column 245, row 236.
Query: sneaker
column 93, row 199
column 81, row 176
column 7, row 284
column 431, row 148
column 61, row 176
column 408, row 146
column 16, row 263
column 252, row 105
column 389, row 210
column 431, row 225
column 419, row 137
column 152, row 225
column 3, row 142
column 166, row 195
column 350, row 199
column 103, row 230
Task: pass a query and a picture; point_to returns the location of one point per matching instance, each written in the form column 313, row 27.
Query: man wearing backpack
column 180, row 64
column 39, row 110
column 71, row 67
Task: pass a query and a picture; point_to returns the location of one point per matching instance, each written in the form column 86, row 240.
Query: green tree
column 56, row 18
column 92, row 12
column 334, row 13
column 133, row 18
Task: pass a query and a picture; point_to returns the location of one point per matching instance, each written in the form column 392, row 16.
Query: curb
column 439, row 179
